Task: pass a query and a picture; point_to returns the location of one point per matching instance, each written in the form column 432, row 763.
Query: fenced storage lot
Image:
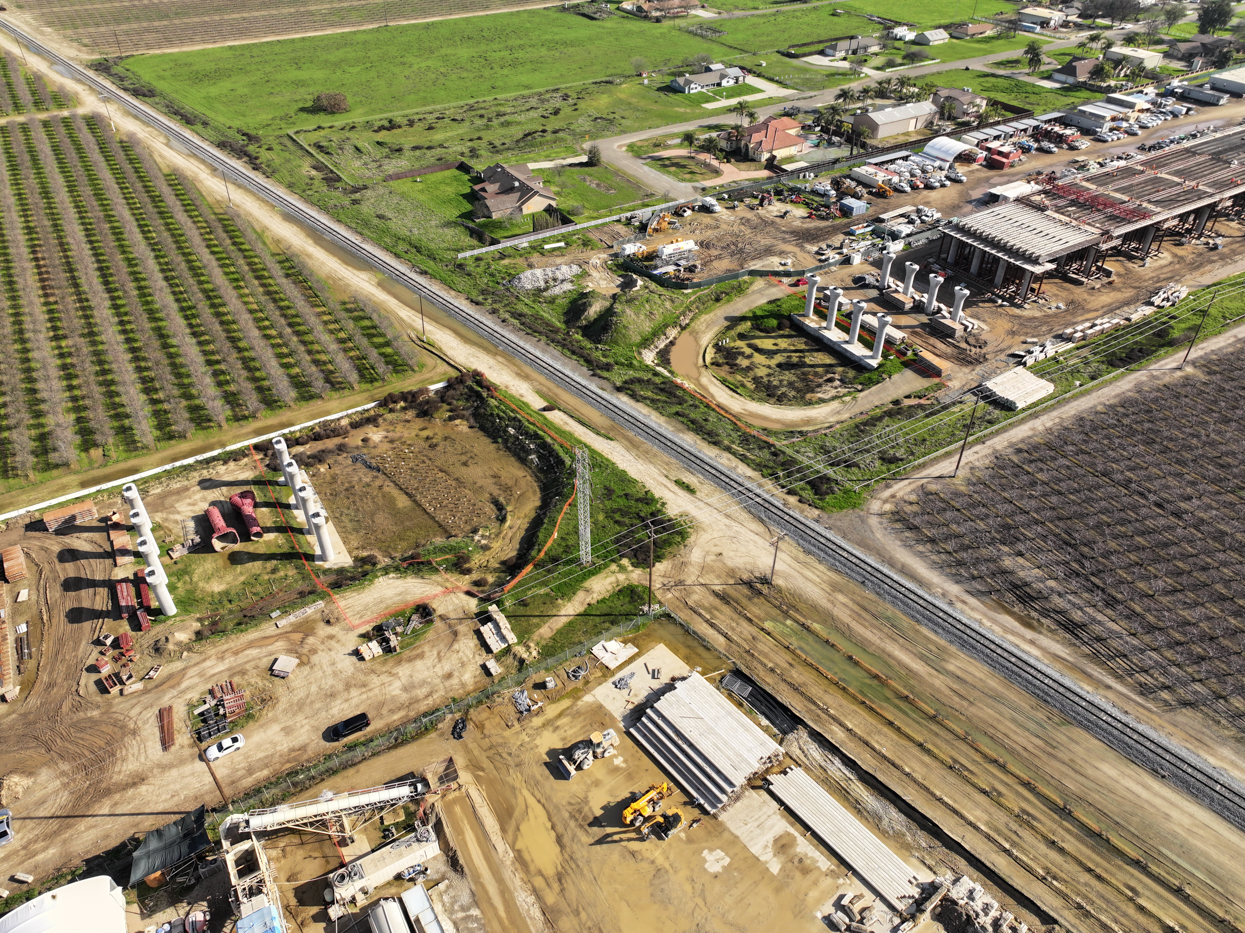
column 1122, row 529
column 133, row 312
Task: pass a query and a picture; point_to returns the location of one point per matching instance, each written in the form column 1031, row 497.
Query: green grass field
column 700, row 98
column 448, row 194
column 269, row 86
column 598, row 189
column 1016, row 91
column 959, row 49
column 931, row 13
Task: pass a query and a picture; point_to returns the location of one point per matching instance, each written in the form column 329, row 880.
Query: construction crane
column 581, row 755
column 661, row 825
column 646, row 804
column 884, row 191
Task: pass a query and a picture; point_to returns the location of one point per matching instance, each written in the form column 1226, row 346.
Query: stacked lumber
column 69, row 515
column 167, row 737
column 231, row 699
column 14, row 564
column 122, row 548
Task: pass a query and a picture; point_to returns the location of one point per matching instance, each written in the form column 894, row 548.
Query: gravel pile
column 539, row 279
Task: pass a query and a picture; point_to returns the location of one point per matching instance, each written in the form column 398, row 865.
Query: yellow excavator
column 646, row 804
column 661, row 825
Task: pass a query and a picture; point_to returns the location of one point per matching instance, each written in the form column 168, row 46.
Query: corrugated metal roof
column 920, row 108
column 861, row 850
column 709, row 747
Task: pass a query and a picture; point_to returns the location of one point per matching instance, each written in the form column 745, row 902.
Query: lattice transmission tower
column 583, row 494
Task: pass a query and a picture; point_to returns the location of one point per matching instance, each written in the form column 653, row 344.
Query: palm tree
column 946, row 109
column 750, row 114
column 830, row 118
column 1033, row 55
column 847, row 95
column 1107, row 45
column 885, row 86
column 1094, row 39
column 689, row 139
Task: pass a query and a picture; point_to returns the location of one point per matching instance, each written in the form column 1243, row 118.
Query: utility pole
column 118, row 39
column 108, row 110
column 651, row 536
column 583, row 492
column 225, row 178
column 21, row 48
column 967, row 432
column 1205, row 315
column 774, row 566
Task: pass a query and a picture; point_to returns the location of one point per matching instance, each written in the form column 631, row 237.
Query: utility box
column 851, row 207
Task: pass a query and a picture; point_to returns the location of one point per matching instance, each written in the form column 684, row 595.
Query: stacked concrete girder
column 811, row 298
column 931, row 296
column 158, row 580
column 858, row 311
column 324, row 544
column 883, row 321
column 909, row 277
column 957, row 310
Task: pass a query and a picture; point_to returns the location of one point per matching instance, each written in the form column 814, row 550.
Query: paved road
column 1141, row 744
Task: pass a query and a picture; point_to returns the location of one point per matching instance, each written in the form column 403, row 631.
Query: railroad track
column 1210, row 786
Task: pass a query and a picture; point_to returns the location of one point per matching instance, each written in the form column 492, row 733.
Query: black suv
column 348, row 727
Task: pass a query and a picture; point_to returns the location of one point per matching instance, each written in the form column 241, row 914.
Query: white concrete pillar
column 811, row 298
column 883, row 320
column 834, row 301
column 289, row 469
column 999, row 275
column 909, row 277
column 1024, row 289
column 129, row 492
column 140, row 521
column 858, row 310
column 888, row 259
column 307, row 496
column 324, row 545
column 953, row 251
column 158, row 580
column 957, row 310
column 150, row 551
column 282, row 450
column 1202, row 216
column 931, row 296
column 978, row 255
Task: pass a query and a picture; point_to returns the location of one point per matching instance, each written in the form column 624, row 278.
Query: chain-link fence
column 280, row 788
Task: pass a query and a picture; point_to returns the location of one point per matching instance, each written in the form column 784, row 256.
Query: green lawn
column 701, row 98
column 598, row 190
column 1016, row 91
column 931, row 13
column 794, row 73
column 684, row 168
column 267, row 86
column 448, row 194
column 959, row 49
column 1184, row 30
column 774, row 31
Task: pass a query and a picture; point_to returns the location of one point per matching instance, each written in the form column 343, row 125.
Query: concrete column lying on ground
column 888, row 259
column 858, row 310
column 158, row 580
column 931, row 296
column 811, row 299
column 883, row 320
column 957, row 310
column 141, row 522
column 324, row 545
column 909, row 277
column 150, row 551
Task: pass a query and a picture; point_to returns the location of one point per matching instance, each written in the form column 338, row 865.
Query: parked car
column 6, row 827
column 224, row 747
column 348, row 727
column 1047, row 146
column 1079, row 144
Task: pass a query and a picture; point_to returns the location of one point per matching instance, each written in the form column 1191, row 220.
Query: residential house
column 967, row 104
column 1201, row 51
column 772, row 138
column 510, row 191
column 1071, row 11
column 892, row 121
column 1075, row 71
column 1131, row 57
column 973, row 30
column 1042, row 17
column 932, row 37
column 715, row 77
column 856, row 45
